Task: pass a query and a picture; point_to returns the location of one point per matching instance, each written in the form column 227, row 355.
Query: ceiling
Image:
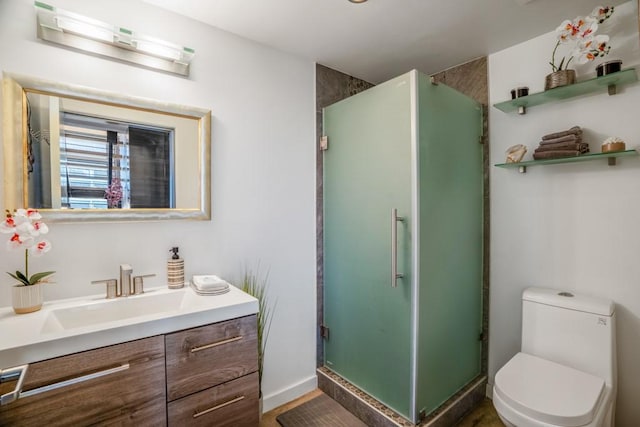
column 380, row 39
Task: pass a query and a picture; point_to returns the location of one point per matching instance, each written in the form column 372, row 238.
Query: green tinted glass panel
column 367, row 173
column 450, row 260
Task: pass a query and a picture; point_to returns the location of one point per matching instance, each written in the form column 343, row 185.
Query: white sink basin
column 77, row 324
column 112, row 310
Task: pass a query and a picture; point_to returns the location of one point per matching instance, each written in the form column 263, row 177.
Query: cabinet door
column 233, row 404
column 368, row 173
column 117, row 385
column 203, row 357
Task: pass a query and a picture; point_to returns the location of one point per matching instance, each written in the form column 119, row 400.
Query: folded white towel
column 209, row 283
column 209, row 293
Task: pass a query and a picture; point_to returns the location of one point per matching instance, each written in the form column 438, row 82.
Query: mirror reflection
column 88, row 151
column 101, row 157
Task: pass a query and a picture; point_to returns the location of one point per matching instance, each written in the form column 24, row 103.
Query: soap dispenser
column 175, row 270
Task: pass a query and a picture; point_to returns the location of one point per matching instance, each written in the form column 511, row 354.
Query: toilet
column 565, row 372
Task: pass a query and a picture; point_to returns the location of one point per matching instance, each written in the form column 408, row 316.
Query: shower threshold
column 374, row 413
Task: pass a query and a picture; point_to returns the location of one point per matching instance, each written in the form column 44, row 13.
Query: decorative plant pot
column 560, row 78
column 26, row 299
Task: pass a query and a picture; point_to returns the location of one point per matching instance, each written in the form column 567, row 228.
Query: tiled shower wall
column 332, row 86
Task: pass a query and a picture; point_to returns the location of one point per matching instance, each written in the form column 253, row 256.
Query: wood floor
column 483, row 416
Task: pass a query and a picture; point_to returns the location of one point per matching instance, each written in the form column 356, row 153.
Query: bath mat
column 321, row 411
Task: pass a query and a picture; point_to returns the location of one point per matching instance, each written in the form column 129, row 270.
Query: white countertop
column 28, row 338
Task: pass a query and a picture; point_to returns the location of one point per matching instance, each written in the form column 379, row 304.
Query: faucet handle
column 138, row 283
column 112, row 287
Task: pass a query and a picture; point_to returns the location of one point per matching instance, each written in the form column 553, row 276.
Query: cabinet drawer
column 210, row 355
column 234, row 403
column 127, row 390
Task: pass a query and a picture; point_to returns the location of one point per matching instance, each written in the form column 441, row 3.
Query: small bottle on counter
column 175, row 270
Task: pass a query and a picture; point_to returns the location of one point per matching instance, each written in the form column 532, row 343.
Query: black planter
column 608, row 67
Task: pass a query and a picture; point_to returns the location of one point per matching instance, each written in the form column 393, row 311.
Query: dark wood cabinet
column 121, row 385
column 233, row 404
column 212, row 374
column 205, row 376
column 203, row 357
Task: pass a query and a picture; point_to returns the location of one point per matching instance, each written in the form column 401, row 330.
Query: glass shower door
column 367, row 174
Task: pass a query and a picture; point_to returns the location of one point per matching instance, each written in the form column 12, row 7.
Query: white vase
column 26, row 299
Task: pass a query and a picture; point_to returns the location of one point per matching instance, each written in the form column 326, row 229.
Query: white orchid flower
column 40, row 248
column 581, row 31
column 19, row 240
column 601, row 13
column 24, row 225
column 591, row 48
column 40, row 227
column 30, row 214
column 8, row 225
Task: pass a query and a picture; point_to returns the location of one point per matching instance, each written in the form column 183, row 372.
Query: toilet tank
column 574, row 330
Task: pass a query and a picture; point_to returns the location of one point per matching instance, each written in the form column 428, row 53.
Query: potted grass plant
column 254, row 284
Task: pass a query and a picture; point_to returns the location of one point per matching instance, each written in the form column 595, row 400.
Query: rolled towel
column 563, row 146
column 576, row 130
column 566, row 138
column 555, row 154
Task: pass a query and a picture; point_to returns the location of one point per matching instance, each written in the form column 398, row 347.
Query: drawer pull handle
column 215, row 344
column 215, row 408
column 73, row 381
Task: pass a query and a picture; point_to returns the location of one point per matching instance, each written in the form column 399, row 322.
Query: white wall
column 571, row 226
column 263, row 172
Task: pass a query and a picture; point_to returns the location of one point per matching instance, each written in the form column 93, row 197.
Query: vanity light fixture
column 98, row 38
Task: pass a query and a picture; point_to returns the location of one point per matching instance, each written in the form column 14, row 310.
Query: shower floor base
column 376, row 414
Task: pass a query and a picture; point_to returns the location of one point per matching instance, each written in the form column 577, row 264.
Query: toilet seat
column 549, row 392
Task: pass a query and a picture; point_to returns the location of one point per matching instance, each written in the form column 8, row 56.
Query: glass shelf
column 581, row 88
column 522, row 166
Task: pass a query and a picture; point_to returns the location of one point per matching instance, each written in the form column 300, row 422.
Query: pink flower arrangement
column 113, row 193
column 25, row 227
column 581, row 31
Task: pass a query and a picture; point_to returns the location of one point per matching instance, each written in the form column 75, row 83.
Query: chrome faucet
column 125, row 280
column 128, row 285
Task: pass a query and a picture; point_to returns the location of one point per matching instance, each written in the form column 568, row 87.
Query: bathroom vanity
column 195, row 363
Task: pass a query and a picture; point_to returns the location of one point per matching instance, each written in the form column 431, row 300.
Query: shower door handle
column 394, row 247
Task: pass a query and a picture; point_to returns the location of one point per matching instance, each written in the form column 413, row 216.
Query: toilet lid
column 549, row 392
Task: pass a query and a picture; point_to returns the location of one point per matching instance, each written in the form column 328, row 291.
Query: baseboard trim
column 489, row 391
column 286, row 395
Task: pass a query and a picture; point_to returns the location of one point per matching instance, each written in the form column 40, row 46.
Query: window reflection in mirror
column 77, row 159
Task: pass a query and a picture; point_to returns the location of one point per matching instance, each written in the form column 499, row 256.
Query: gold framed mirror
column 83, row 154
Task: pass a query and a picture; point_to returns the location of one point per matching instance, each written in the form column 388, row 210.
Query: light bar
column 98, row 38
